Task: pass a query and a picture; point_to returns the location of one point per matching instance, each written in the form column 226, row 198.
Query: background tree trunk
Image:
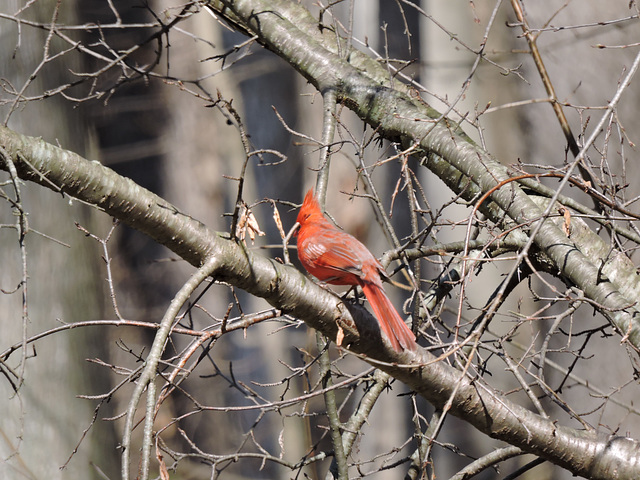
column 43, row 423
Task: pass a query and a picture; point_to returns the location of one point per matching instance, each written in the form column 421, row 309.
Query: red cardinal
column 336, row 257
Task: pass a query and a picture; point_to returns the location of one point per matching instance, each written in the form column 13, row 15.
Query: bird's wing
column 337, row 251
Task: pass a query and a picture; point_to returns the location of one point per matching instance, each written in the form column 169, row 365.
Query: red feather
column 336, row 257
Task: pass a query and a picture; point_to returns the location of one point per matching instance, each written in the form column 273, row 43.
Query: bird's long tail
column 398, row 333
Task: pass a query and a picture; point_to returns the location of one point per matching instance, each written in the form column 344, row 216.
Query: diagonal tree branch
column 398, row 117
column 287, row 289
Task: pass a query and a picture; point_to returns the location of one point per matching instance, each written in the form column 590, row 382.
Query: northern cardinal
column 336, row 257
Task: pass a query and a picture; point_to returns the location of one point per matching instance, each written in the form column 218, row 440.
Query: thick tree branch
column 399, row 117
column 583, row 453
column 68, row 173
